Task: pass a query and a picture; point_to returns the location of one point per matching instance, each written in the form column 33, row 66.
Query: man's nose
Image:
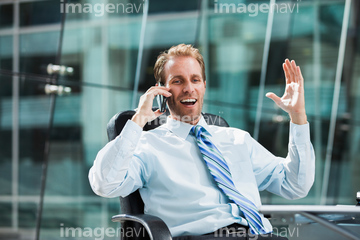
column 188, row 87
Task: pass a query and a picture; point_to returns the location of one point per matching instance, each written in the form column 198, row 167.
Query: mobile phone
column 161, row 100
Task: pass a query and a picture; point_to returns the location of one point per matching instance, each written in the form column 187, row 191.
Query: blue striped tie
column 221, row 173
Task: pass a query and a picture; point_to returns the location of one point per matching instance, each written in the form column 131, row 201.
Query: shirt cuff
column 299, row 134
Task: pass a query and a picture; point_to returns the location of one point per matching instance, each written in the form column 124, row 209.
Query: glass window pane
column 39, row 13
column 158, row 6
column 6, row 214
column 27, row 213
column 6, row 53
column 6, row 102
column 34, row 116
column 6, row 15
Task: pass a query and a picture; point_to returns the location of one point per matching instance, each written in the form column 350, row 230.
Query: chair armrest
column 155, row 227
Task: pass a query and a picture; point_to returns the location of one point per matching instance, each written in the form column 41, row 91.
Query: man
column 199, row 186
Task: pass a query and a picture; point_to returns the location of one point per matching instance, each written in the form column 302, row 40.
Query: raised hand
column 144, row 112
column 293, row 100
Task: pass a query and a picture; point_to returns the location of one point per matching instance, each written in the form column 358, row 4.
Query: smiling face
column 183, row 77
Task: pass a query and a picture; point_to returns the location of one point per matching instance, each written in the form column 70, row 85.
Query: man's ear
column 205, row 83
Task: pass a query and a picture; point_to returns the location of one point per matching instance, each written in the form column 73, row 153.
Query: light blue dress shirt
column 175, row 183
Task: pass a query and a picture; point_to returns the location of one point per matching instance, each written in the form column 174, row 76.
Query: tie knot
column 197, row 130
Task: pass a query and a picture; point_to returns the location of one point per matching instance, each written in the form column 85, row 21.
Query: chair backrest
column 133, row 203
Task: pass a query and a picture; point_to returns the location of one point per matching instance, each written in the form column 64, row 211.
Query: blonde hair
column 176, row 51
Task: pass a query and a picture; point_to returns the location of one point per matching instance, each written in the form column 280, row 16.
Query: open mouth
column 188, row 102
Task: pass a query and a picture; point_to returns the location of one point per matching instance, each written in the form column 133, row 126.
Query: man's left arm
column 293, row 176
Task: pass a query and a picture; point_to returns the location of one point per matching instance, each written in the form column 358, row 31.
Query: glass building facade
column 49, row 141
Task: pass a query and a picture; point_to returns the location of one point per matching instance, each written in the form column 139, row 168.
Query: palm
column 292, row 100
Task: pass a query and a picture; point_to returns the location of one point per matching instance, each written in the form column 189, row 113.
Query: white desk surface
column 309, row 208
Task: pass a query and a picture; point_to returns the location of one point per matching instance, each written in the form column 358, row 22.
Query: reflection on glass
column 37, row 50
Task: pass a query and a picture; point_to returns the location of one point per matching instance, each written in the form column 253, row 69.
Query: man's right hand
column 144, row 112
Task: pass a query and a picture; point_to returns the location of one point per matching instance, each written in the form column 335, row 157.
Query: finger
column 301, row 78
column 287, row 74
column 294, row 67
column 290, row 69
column 159, row 91
column 163, row 87
column 158, row 113
column 155, row 88
column 274, row 97
column 165, row 92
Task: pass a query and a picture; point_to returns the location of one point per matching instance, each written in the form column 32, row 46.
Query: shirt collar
column 182, row 129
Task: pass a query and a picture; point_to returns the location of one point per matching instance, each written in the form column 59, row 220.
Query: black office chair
column 140, row 225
